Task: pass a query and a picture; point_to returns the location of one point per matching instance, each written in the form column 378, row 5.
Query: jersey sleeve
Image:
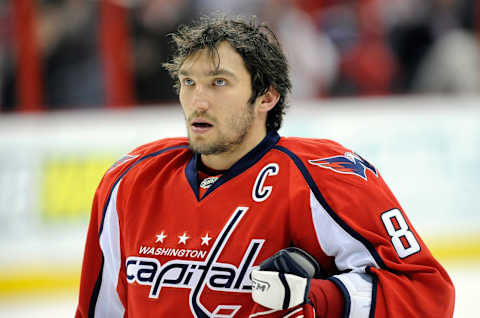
column 102, row 284
column 101, row 265
column 386, row 270
column 381, row 265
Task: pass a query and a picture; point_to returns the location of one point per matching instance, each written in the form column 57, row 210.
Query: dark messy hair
column 256, row 44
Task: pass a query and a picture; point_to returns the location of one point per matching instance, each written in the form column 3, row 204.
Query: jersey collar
column 240, row 166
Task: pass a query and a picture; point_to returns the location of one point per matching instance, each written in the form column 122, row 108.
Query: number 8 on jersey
column 398, row 231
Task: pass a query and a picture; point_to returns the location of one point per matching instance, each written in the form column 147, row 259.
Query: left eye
column 220, row 82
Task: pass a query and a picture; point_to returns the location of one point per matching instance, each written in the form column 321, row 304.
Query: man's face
column 215, row 100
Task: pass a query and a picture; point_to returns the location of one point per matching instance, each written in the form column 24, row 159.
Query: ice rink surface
column 466, row 278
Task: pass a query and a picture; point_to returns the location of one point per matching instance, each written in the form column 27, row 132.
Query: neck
column 225, row 160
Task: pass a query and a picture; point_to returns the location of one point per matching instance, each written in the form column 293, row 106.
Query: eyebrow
column 220, row 71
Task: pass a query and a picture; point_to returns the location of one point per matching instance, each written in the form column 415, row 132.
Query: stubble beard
column 224, row 144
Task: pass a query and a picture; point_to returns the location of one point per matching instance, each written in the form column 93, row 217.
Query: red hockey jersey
column 156, row 249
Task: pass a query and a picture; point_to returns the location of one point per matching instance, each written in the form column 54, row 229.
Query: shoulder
column 162, row 149
column 340, row 178
column 327, row 159
column 151, row 149
column 305, row 147
column 160, row 145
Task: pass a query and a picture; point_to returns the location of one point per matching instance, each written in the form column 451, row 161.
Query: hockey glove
column 283, row 280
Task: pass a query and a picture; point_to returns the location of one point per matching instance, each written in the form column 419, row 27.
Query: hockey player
column 236, row 221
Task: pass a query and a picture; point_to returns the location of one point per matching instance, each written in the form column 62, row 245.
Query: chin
column 207, row 149
column 199, row 146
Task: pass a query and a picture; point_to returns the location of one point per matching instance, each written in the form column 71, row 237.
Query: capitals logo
column 199, row 275
column 350, row 163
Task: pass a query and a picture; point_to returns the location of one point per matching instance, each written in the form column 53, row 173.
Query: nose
column 200, row 99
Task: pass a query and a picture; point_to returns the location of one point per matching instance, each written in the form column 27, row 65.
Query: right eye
column 187, row 82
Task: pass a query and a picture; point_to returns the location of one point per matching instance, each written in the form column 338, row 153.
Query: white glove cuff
column 277, row 290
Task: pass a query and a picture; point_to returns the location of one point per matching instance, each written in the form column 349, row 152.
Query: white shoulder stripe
column 108, row 302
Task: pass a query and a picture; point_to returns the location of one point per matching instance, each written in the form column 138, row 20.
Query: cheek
column 184, row 102
column 181, row 97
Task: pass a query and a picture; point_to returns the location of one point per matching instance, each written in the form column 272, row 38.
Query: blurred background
column 81, row 83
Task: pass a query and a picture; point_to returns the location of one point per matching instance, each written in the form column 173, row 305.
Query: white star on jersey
column 205, row 239
column 183, row 238
column 160, row 237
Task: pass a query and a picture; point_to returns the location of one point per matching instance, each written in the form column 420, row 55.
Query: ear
column 268, row 100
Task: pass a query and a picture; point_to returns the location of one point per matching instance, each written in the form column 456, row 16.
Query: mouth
column 200, row 125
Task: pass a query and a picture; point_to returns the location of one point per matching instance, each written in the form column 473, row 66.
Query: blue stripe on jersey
column 373, row 306
column 346, row 296
column 192, row 174
column 95, row 292
column 327, row 207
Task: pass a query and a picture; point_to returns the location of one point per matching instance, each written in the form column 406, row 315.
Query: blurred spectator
column 311, row 54
column 7, row 73
column 367, row 65
column 68, row 35
column 65, row 33
column 452, row 65
column 335, row 47
column 434, row 43
column 153, row 20
column 230, row 7
column 444, row 70
column 410, row 37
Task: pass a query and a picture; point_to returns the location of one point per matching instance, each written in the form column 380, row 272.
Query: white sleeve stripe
column 108, row 301
column 350, row 255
